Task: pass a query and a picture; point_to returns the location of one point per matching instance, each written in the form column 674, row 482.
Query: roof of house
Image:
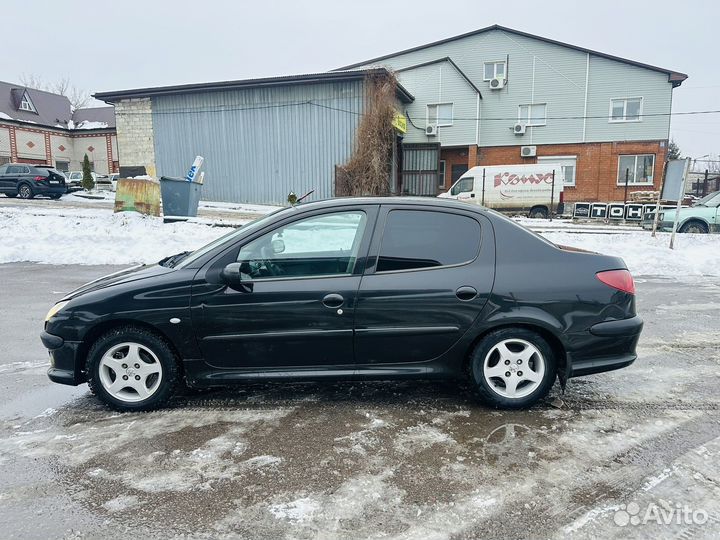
column 94, row 118
column 309, row 78
column 445, row 59
column 675, row 77
column 51, row 109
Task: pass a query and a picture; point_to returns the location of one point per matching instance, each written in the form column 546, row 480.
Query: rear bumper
column 54, row 189
column 65, row 363
column 607, row 346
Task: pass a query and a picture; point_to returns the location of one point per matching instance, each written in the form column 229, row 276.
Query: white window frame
column 624, row 118
column 526, row 121
column 437, row 116
column 621, row 181
column 442, row 164
column 26, row 103
column 495, row 64
column 560, row 159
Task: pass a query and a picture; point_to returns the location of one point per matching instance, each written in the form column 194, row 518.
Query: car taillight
column 621, row 280
column 40, row 178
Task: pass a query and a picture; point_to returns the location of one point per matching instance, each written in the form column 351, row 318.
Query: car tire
column 512, row 368
column 55, row 197
column 25, row 191
column 697, row 227
column 539, row 212
column 132, row 369
column 11, row 195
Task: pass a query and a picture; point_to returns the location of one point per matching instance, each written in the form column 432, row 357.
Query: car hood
column 134, row 273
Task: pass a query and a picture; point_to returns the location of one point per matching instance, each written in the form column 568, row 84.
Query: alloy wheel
column 514, row 368
column 25, row 192
column 130, row 372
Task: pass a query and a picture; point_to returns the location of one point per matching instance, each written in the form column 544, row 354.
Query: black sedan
column 352, row 288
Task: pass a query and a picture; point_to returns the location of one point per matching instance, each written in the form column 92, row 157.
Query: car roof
column 401, row 201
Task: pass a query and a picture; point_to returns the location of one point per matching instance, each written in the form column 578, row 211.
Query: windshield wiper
column 172, row 260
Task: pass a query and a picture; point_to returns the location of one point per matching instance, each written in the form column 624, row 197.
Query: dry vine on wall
column 368, row 170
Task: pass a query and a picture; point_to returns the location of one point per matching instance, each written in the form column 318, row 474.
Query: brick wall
column 597, row 165
column 135, row 134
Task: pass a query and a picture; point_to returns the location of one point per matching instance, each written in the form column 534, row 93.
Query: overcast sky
column 103, row 45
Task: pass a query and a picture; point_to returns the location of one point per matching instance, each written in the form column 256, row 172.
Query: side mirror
column 277, row 246
column 231, row 274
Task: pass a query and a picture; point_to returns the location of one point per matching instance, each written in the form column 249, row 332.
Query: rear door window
column 416, row 239
column 14, row 169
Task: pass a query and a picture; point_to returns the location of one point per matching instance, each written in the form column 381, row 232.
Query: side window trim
column 379, row 232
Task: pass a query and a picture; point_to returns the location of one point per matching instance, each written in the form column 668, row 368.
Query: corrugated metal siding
column 540, row 72
column 440, row 83
column 261, row 143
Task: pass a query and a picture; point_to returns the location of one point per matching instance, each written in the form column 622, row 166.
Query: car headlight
column 54, row 310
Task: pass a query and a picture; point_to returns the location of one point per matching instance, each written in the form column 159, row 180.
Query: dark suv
column 27, row 181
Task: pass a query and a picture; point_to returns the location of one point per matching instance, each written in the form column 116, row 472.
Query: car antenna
column 294, row 199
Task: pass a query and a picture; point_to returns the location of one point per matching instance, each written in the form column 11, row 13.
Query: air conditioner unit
column 528, row 151
column 497, row 83
column 519, row 129
column 431, row 130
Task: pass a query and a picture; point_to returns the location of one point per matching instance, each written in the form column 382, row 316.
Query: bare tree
column 78, row 98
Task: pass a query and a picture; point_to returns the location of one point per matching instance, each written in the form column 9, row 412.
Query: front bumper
column 607, row 346
column 65, row 362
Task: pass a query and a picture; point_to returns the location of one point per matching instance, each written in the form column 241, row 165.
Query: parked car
column 703, row 217
column 367, row 288
column 28, row 181
column 527, row 189
column 113, row 180
column 102, row 182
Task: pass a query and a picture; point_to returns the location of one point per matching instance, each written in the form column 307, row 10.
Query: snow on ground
column 694, row 254
column 95, row 236
column 83, row 235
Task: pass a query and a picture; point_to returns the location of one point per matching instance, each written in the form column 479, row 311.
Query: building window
column 440, row 114
column 441, row 174
column 63, row 166
column 494, row 70
column 26, row 104
column 533, row 114
column 4, row 160
column 568, row 164
column 639, row 169
column 626, row 110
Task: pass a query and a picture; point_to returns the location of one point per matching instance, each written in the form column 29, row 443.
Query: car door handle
column 333, row 300
column 466, row 293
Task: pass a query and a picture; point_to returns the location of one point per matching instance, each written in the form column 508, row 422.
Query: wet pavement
column 629, row 454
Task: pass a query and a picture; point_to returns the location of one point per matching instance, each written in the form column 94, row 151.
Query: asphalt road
column 624, row 453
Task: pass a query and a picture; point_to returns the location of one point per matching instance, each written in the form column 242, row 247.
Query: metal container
column 138, row 195
column 179, row 196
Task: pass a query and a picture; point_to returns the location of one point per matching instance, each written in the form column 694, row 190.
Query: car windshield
column 709, row 200
column 228, row 238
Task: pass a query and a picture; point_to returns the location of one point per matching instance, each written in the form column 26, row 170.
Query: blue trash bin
column 179, row 197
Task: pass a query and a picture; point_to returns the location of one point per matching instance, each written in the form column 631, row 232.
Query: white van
column 513, row 188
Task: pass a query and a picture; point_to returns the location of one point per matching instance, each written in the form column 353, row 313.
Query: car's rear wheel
column 696, row 227
column 539, row 212
column 55, row 197
column 25, row 192
column 512, row 368
column 132, row 369
column 11, row 195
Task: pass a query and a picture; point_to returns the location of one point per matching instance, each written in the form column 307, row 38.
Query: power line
column 314, row 103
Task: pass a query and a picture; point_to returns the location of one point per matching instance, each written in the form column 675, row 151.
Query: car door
column 4, row 183
column 430, row 272
column 11, row 178
column 295, row 307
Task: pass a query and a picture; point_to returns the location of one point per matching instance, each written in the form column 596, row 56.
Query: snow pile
column 95, row 236
column 4, row 116
column 89, row 124
column 694, row 254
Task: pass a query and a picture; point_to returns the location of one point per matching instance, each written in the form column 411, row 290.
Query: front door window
column 315, row 246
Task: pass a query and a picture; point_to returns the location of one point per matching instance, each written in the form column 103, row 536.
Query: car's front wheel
column 132, row 369
column 696, row 227
column 512, row 368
